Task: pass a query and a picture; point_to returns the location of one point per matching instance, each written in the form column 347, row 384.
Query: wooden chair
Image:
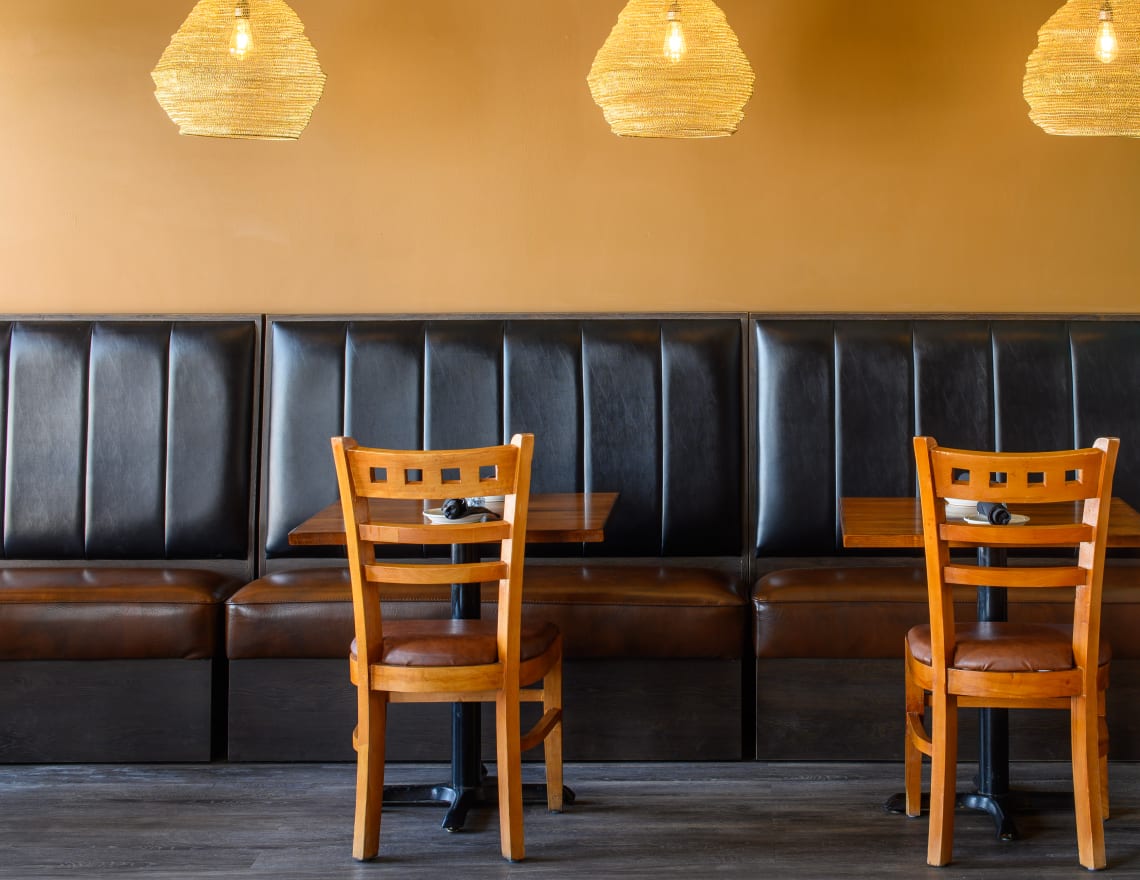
column 447, row 660
column 1010, row 665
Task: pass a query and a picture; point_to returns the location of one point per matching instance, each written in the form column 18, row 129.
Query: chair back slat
column 1020, row 576
column 1061, row 535
column 422, row 573
column 433, row 474
column 435, row 533
column 1013, row 478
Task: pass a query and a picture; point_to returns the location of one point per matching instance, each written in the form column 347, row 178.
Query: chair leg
column 552, row 745
column 1102, row 748
column 508, row 742
column 1086, row 783
column 912, row 757
column 370, row 732
column 943, row 778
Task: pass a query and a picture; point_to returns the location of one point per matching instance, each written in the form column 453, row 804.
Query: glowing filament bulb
column 241, row 37
column 1106, row 44
column 674, row 35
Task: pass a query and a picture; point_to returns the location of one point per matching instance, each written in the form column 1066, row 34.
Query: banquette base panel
column 127, row 471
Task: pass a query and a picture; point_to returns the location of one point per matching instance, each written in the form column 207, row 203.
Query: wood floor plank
column 294, row 822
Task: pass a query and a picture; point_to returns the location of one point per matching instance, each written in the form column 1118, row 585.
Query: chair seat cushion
column 1006, row 647
column 89, row 613
column 455, row 642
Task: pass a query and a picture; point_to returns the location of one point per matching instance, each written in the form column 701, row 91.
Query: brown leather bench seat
column 111, row 613
column 602, row 611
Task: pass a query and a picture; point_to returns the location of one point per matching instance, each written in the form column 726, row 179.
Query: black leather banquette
column 836, row 404
column 655, row 618
column 126, row 477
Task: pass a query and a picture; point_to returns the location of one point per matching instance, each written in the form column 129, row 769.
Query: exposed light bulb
column 1106, row 44
column 241, row 37
column 674, row 35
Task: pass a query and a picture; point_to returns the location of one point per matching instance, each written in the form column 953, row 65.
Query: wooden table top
column 885, row 523
column 555, row 518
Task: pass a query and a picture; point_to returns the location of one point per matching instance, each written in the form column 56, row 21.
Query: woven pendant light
column 671, row 69
column 1084, row 76
column 240, row 69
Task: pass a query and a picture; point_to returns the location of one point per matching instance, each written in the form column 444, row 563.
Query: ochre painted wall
column 458, row 163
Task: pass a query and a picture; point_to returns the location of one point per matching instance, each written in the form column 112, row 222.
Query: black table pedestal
column 470, row 786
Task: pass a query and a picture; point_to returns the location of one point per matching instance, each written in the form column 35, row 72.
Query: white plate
column 435, row 515
column 1015, row 519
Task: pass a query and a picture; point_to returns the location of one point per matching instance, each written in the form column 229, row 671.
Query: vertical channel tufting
column 125, row 497
column 168, row 508
column 837, row 447
column 663, row 428
column 306, row 409
column 384, row 378
column 542, row 370
column 1033, row 393
column 702, row 456
column 874, row 409
column 1106, row 367
column 5, row 356
column 1073, row 383
column 463, row 365
column 622, row 393
column 211, row 370
column 795, row 442
column 954, row 384
column 46, row 440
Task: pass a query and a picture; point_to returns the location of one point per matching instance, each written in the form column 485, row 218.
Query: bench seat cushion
column 865, row 612
column 602, row 611
column 112, row 613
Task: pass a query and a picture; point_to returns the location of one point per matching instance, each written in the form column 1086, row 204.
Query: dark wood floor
column 631, row 820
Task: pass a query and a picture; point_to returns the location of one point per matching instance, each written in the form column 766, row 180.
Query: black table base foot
column 460, row 801
column 999, row 808
column 996, row 807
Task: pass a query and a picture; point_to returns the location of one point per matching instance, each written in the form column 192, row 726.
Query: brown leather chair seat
column 57, row 613
column 603, row 611
column 865, row 612
column 1005, row 647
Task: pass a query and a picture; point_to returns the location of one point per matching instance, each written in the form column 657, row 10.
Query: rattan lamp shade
column 643, row 93
column 269, row 93
column 1069, row 89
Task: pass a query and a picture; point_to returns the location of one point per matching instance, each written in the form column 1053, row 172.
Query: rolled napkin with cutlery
column 995, row 513
column 458, row 508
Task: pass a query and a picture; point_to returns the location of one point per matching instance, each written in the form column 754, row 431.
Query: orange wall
column 457, row 163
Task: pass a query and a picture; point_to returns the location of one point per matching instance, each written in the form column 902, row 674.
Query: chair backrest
column 382, row 496
column 1078, row 486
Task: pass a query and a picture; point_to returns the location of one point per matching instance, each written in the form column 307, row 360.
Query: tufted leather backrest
column 651, row 408
column 127, row 439
column 837, row 403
